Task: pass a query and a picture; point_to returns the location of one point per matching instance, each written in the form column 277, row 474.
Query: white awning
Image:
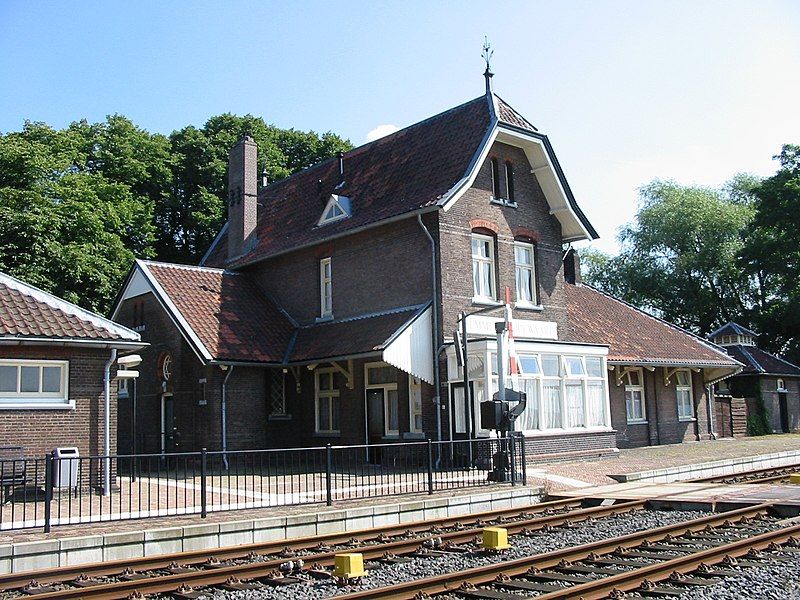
column 411, row 349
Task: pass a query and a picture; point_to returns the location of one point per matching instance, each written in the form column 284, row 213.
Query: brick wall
column 569, row 446
column 661, row 406
column 39, row 431
column 769, row 392
column 382, row 268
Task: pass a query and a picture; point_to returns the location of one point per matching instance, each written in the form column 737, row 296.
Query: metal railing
column 52, row 491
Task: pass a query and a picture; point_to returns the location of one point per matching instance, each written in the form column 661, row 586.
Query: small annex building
column 325, row 310
column 53, row 360
column 766, row 376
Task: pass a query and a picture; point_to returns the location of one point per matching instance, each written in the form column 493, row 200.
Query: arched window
column 495, row 179
column 781, row 385
column 509, row 182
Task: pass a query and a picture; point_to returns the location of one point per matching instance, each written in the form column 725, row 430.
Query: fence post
column 328, row 468
column 512, row 463
column 203, row 472
column 430, row 466
column 48, row 489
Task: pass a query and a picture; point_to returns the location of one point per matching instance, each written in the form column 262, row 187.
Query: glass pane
column 522, row 255
column 575, row 404
column 524, row 284
column 633, row 378
column 385, row 374
column 325, row 381
column 529, row 364
column 682, row 377
column 575, row 365
column 324, row 414
column 550, row 365
column 486, row 280
column 551, row 404
column 596, row 404
column 476, row 366
column 529, row 419
column 493, row 362
column 51, row 379
column 29, row 381
column 8, row 379
column 459, row 410
column 394, row 410
column 594, row 366
column 334, row 414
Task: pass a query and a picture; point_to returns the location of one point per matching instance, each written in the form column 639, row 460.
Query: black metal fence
column 51, row 491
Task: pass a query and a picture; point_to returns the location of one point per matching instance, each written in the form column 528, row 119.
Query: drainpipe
column 225, row 416
column 107, row 424
column 711, row 407
column 434, row 338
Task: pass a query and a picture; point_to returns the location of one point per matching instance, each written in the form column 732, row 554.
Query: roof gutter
column 665, row 363
column 39, row 341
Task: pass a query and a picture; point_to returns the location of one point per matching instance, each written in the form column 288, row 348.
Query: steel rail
column 484, row 575
column 16, row 580
column 372, row 548
column 631, row 580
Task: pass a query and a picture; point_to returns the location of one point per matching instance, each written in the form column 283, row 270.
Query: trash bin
column 66, row 467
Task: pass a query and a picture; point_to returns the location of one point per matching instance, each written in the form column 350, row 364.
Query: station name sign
column 523, row 328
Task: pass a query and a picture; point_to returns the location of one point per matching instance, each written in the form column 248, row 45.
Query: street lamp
column 126, row 364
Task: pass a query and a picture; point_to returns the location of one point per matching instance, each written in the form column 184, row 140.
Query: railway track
column 166, row 573
column 753, row 476
column 609, row 568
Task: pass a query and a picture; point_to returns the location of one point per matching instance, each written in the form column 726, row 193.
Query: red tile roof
column 227, row 312
column 28, row 312
column 350, row 336
column 506, row 114
column 633, row 335
column 399, row 173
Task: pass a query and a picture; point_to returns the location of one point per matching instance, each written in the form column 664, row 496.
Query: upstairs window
column 338, row 207
column 509, row 183
column 683, row 391
column 496, row 194
column 325, row 288
column 483, row 267
column 525, row 273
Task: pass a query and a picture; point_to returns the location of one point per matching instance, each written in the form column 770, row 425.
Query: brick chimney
column 572, row 267
column 242, row 197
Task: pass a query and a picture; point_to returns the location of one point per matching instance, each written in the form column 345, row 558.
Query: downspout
column 434, row 337
column 711, row 406
column 107, row 424
column 224, row 409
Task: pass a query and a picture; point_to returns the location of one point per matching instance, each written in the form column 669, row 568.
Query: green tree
column 771, row 256
column 679, row 258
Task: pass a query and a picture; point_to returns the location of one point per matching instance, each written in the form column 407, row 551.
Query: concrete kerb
column 32, row 555
column 729, row 466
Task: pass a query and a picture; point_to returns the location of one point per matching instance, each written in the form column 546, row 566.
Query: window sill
column 413, row 435
column 687, row 419
column 324, row 318
column 279, row 418
column 502, row 202
column 638, row 422
column 327, row 434
column 527, row 306
column 480, row 301
column 17, row 405
column 392, row 437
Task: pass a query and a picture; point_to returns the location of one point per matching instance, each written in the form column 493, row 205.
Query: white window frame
column 38, row 399
column 278, row 375
column 414, row 392
column 531, row 267
column 331, row 395
column 684, row 388
column 340, row 203
column 629, row 387
column 780, row 386
column 478, row 260
column 386, row 387
column 325, row 288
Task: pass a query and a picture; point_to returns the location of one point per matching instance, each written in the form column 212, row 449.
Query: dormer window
column 338, row 207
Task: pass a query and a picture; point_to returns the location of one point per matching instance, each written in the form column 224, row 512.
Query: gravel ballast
column 776, row 580
column 522, row 546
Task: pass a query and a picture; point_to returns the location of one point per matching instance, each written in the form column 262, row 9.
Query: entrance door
column 375, row 420
column 783, row 406
column 169, row 437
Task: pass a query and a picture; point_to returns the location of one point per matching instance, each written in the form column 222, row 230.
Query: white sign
column 523, row 329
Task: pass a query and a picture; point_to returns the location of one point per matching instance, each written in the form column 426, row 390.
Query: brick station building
column 53, row 359
column 325, row 309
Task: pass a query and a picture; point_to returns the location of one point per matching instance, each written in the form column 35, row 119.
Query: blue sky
column 627, row 91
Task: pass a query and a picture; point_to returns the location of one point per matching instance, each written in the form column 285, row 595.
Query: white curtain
column 459, row 410
column 551, row 404
column 529, row 419
column 596, row 404
column 575, row 404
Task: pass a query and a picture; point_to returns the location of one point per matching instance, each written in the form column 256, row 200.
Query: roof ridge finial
column 486, row 54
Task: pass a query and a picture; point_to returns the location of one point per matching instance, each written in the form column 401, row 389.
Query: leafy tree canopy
column 79, row 203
